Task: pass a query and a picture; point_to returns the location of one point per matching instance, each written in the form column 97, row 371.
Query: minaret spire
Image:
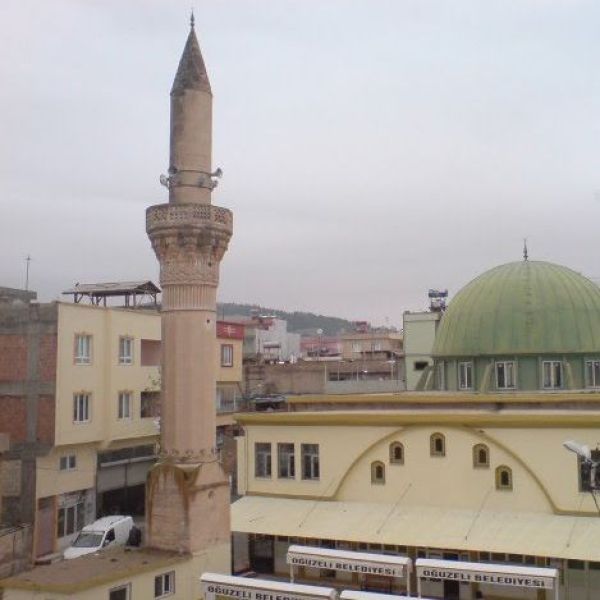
column 190, row 177
column 525, row 253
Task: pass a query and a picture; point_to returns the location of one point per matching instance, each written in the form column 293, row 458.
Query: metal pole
column 408, row 571
column 291, row 573
column 27, row 260
column 418, row 585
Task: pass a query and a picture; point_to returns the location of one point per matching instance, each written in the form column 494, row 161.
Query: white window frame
column 505, row 364
column 465, row 375
column 125, row 350
column 120, row 588
column 82, row 407
column 68, row 462
column 263, row 460
column 551, row 365
column 286, row 461
column 167, row 584
column 311, row 469
column 75, row 509
column 591, row 366
column 82, row 349
column 227, row 355
column 124, row 406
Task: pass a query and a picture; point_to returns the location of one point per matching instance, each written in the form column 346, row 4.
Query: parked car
column 105, row 532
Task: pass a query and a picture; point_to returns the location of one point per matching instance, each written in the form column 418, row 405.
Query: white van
column 103, row 533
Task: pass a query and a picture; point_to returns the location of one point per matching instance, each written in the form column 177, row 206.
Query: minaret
column 187, row 491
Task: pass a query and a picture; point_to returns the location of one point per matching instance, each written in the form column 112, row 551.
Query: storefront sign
column 518, row 578
column 350, row 562
column 232, row 591
column 257, row 589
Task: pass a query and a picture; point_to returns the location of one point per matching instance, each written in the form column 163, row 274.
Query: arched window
column 396, row 453
column 504, row 480
column 481, row 456
column 437, row 444
column 377, row 472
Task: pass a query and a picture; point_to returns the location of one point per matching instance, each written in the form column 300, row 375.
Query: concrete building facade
column 419, row 336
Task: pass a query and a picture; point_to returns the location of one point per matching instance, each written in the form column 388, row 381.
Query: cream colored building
column 371, row 345
column 106, row 416
column 476, row 470
column 422, row 476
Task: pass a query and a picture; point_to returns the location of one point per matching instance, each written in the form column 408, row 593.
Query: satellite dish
column 164, row 180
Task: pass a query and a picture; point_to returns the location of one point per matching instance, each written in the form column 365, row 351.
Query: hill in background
column 299, row 322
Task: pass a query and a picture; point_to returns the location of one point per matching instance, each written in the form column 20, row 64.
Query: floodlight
column 581, row 450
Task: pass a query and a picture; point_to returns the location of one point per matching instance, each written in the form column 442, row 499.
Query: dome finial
column 192, row 20
column 525, row 253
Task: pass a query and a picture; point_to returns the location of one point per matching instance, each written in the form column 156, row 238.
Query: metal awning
column 352, row 562
column 243, row 588
column 489, row 574
column 99, row 292
column 535, row 534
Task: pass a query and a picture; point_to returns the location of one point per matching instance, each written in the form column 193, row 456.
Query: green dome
column 525, row 307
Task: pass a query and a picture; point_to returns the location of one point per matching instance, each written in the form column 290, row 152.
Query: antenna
column 27, row 261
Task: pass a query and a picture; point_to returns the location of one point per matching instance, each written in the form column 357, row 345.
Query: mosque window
column 465, row 376
column 552, row 374
column 377, row 472
column 592, row 373
column 505, row 375
column 396, row 453
column 285, row 460
column 310, row 461
column 504, row 478
column 481, row 456
column 437, row 444
column 262, row 459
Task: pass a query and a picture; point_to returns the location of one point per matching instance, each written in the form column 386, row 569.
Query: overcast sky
column 371, row 149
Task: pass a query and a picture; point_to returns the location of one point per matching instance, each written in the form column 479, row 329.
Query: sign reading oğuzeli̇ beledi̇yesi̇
column 350, row 566
column 492, row 578
column 231, row 591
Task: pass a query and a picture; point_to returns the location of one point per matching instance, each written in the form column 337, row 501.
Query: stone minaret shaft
column 189, row 237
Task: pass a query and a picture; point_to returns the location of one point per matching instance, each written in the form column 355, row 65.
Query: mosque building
column 473, row 467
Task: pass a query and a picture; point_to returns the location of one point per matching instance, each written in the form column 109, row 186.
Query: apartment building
column 79, row 387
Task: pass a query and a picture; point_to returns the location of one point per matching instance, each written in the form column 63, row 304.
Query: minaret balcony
column 164, row 217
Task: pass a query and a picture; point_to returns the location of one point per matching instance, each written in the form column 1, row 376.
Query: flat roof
column 92, row 570
column 444, row 397
column 476, row 416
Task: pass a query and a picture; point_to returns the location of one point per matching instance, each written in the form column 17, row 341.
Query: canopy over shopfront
column 243, row 588
column 363, row 563
column 534, row 534
column 488, row 574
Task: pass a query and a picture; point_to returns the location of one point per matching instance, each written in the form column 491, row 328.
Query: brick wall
column 13, row 357
column 13, row 417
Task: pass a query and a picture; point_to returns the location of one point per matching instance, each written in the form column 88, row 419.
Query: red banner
column 230, row 331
